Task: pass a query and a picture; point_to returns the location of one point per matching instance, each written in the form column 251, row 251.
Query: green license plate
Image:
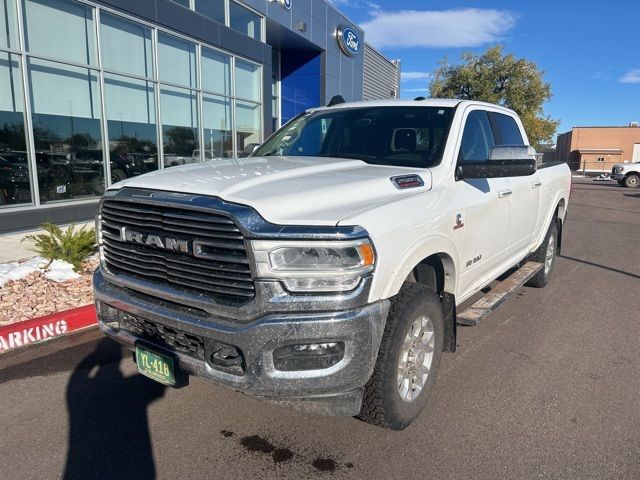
column 155, row 365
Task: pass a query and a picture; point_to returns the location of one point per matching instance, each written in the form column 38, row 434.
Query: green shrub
column 70, row 245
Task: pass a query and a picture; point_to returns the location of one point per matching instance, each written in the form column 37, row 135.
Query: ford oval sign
column 349, row 41
column 285, row 4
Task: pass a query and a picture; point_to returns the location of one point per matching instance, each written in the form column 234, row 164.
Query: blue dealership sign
column 285, row 4
column 349, row 41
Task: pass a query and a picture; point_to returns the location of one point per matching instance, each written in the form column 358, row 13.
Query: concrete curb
column 36, row 331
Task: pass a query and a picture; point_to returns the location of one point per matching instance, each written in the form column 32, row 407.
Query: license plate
column 155, row 365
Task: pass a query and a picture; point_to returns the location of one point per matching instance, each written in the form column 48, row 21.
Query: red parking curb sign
column 39, row 329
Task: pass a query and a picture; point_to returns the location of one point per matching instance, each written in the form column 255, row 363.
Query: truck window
column 508, row 132
column 477, row 138
column 404, row 136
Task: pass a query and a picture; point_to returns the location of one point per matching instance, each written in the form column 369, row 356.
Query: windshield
column 399, row 136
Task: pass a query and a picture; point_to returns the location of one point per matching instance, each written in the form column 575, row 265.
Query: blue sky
column 588, row 49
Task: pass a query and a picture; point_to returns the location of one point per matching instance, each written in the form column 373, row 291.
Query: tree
column 502, row 79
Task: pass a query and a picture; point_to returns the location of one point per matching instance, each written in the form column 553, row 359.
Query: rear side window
column 477, row 138
column 507, row 132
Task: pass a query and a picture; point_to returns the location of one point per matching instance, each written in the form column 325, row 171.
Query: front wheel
column 632, row 181
column 408, row 359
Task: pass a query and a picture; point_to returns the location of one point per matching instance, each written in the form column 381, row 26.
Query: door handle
column 504, row 193
column 536, row 184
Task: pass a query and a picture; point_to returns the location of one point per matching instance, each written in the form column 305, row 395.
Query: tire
column 632, row 181
column 383, row 403
column 549, row 246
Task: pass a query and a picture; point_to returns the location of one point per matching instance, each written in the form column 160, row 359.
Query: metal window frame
column 27, row 114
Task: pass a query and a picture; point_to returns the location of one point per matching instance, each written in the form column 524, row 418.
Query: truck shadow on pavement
column 108, row 425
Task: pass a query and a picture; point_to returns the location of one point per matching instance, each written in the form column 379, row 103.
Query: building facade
column 381, row 75
column 598, row 149
column 93, row 92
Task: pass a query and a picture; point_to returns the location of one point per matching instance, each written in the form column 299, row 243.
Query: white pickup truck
column 627, row 174
column 323, row 272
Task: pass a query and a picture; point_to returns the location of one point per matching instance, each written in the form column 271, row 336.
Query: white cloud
column 632, row 76
column 467, row 27
column 415, row 90
column 411, row 76
column 355, row 4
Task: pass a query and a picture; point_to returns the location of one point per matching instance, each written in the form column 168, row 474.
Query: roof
column 600, row 150
column 429, row 102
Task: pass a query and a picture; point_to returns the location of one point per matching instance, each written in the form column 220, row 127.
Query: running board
column 492, row 300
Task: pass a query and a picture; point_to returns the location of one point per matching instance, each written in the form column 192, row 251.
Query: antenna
column 419, row 99
column 337, row 100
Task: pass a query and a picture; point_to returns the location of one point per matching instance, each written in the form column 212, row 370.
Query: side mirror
column 504, row 161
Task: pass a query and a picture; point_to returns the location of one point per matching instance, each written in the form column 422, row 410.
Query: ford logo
column 349, row 41
column 285, row 4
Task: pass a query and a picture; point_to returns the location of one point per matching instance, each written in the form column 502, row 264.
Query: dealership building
column 152, row 84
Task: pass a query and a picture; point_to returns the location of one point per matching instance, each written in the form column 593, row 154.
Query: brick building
column 597, row 149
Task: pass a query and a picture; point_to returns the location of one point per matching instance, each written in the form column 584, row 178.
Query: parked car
column 627, row 174
column 323, row 272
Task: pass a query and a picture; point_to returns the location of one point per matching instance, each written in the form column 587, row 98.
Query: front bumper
column 617, row 176
column 336, row 390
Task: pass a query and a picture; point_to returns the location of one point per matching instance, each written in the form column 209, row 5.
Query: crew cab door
column 525, row 191
column 485, row 207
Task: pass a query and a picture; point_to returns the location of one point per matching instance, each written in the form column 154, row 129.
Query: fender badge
column 407, row 181
column 459, row 222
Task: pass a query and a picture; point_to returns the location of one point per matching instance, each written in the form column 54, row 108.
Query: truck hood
column 287, row 190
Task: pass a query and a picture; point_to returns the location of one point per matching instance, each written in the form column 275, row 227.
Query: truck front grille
column 219, row 269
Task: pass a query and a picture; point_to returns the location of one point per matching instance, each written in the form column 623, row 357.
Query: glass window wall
column 248, row 129
column 216, row 72
column 213, row 9
column 131, row 123
column 218, row 130
column 119, row 36
column 148, row 109
column 66, row 128
column 177, row 61
column 15, row 180
column 179, row 109
column 61, row 29
column 248, row 81
column 245, row 21
column 8, row 25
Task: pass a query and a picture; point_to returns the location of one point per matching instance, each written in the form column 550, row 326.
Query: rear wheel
column 545, row 254
column 408, row 359
column 632, row 181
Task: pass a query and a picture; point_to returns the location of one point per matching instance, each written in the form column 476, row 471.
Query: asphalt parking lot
column 546, row 387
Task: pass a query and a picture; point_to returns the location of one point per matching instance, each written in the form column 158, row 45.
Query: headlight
column 309, row 266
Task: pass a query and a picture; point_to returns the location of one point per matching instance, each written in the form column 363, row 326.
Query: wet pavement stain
column 325, row 464
column 256, row 443
column 281, row 455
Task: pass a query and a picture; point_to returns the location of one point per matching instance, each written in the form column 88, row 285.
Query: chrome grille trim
column 222, row 272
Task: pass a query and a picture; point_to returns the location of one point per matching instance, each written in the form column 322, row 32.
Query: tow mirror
column 504, row 161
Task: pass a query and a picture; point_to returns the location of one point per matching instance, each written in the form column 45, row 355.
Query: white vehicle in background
column 323, row 272
column 627, row 174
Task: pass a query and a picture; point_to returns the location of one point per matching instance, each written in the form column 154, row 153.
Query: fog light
column 311, row 356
